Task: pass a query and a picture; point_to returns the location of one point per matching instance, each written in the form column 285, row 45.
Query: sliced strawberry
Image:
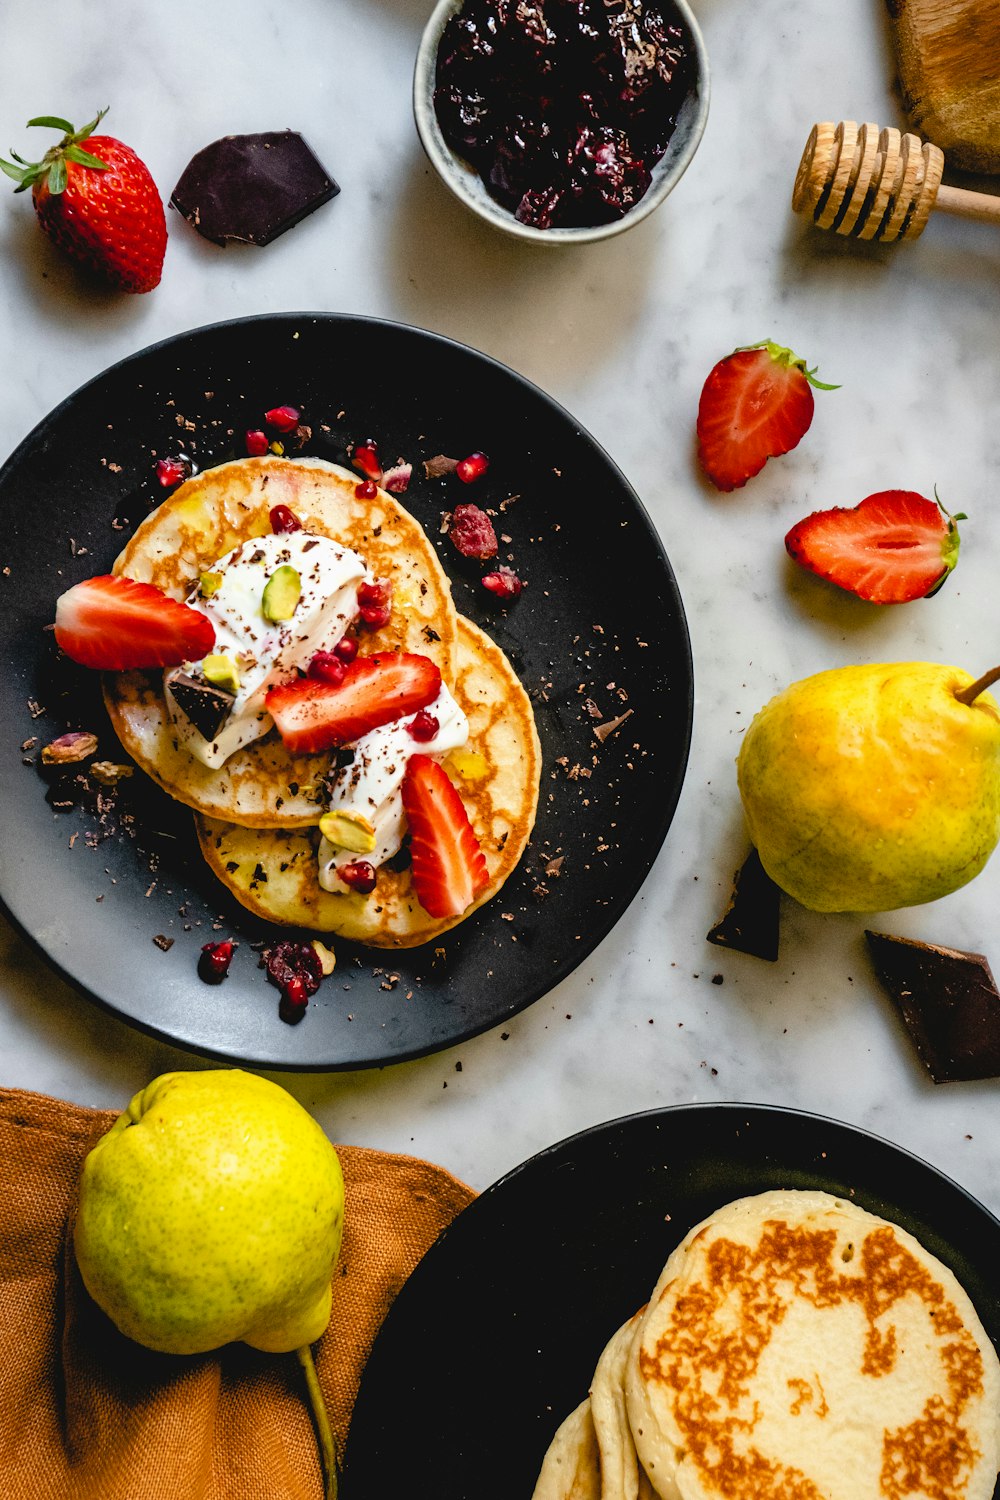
column 116, row 624
column 313, row 715
column 449, row 870
column 755, row 404
column 893, row 547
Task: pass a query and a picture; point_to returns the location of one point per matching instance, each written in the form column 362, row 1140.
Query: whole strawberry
column 756, row 404
column 99, row 205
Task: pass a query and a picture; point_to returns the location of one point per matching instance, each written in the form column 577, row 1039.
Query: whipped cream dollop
column 371, row 784
column 267, row 652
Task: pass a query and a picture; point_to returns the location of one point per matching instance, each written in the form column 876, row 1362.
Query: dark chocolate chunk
column 207, row 706
column 251, row 188
column 750, row 921
column 948, row 1001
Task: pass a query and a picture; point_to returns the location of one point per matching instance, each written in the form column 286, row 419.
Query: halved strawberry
column 313, row 715
column 893, row 547
column 448, row 866
column 116, row 624
column 755, row 404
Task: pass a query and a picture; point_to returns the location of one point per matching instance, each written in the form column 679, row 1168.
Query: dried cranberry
column 283, row 418
column 296, row 970
column 375, row 603
column 283, row 519
column 366, row 490
column 365, row 457
column 346, row 648
column 503, row 582
column 472, row 532
column 359, row 875
column 326, row 666
column 424, row 726
column 256, row 443
column 172, row 470
column 472, row 468
column 214, row 961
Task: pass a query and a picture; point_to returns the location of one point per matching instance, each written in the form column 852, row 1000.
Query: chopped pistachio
column 69, row 748
column 326, row 956
column 222, row 672
column 209, row 584
column 281, row 595
column 347, row 829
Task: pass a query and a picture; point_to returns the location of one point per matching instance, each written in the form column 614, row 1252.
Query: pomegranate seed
column 472, row 532
column 424, row 726
column 283, row 418
column 214, row 961
column 346, row 649
column 379, row 591
column 375, row 603
column 326, row 667
column 504, row 582
column 296, row 969
column 359, row 875
column 397, row 479
column 171, row 471
column 365, row 458
column 472, row 468
column 257, row 443
column 366, row 490
column 283, row 519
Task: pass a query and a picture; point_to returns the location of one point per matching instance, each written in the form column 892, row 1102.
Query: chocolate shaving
column 948, row 1001
column 750, row 921
column 603, row 730
column 438, row 466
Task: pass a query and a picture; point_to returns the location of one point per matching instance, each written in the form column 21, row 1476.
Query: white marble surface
column 623, row 334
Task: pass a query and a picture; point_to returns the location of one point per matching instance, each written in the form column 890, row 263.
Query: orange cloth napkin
column 85, row 1414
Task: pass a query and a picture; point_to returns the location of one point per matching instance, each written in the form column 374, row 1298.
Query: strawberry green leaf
column 57, row 177
column 54, row 122
column 17, row 173
column 84, row 158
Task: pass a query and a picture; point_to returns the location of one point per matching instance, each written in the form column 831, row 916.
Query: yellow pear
column 866, row 788
column 212, row 1211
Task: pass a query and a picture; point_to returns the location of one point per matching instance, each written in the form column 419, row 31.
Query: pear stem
column 327, row 1445
column 968, row 695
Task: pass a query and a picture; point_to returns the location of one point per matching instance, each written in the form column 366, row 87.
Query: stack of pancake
column 794, row 1347
column 257, row 815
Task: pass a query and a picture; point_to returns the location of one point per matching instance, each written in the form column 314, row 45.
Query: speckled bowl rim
column 467, row 186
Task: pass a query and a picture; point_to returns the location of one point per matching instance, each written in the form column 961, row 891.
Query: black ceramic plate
column 600, row 623
column 494, row 1338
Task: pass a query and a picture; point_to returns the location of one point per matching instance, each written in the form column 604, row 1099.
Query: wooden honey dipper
column 877, row 184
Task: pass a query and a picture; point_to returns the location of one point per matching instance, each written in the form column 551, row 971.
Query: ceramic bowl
column 465, row 183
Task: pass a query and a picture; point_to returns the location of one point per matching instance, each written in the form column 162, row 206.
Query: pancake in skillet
column 501, row 805
column 799, row 1348
column 262, row 785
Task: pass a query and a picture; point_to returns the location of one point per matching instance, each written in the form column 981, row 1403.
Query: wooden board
column 949, row 68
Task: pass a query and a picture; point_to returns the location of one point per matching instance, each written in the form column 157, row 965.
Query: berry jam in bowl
column 561, row 121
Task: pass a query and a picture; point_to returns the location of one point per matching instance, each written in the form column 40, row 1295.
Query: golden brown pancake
column 799, row 1348
column 571, row 1468
column 501, row 805
column 262, row 785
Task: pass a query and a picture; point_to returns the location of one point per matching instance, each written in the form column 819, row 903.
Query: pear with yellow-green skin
column 212, row 1211
column 867, row 788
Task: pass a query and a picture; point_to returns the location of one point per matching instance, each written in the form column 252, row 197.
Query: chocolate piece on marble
column 750, row 921
column 948, row 1001
column 251, row 188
